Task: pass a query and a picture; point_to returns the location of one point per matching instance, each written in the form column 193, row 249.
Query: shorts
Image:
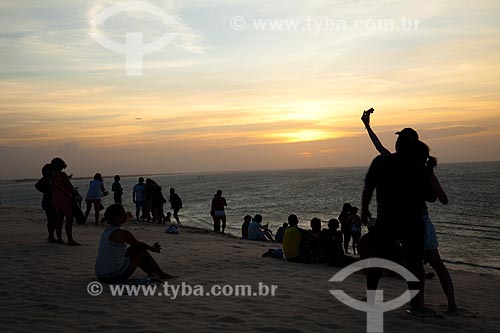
column 220, row 213
column 430, row 239
column 121, row 278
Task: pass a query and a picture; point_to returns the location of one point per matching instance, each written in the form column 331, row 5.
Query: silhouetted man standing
column 402, row 186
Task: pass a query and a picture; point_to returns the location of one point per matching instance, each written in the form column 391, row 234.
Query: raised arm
column 375, row 140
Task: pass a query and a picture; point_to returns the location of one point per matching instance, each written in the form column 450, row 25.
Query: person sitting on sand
column 314, row 233
column 117, row 190
column 63, row 194
column 168, row 217
column 259, row 232
column 332, row 242
column 296, row 247
column 94, row 194
column 115, row 261
column 280, row 233
column 244, row 227
column 43, row 185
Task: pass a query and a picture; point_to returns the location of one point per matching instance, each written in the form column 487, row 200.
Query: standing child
column 117, row 190
column 175, row 204
column 355, row 228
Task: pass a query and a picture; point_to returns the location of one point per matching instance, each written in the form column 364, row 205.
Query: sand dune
column 44, row 288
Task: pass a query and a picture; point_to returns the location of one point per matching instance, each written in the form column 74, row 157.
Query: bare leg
column 216, row 223
column 223, row 219
column 51, row 224
column 418, row 270
column 141, row 258
column 59, row 226
column 69, row 231
column 437, row 264
column 176, row 215
column 347, row 240
column 96, row 208
column 89, row 207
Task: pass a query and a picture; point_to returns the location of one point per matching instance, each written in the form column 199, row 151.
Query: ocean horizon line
column 22, row 180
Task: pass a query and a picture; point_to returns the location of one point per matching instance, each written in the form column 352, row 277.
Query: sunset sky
column 218, row 99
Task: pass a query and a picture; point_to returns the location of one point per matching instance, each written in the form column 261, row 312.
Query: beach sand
column 44, row 288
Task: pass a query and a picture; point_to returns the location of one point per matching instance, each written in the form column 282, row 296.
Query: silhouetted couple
column 404, row 181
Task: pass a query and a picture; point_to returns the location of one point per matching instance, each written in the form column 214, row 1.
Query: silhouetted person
column 314, row 235
column 115, row 261
column 117, row 190
column 259, row 232
column 355, row 228
column 431, row 252
column 332, row 243
column 280, row 233
column 63, row 193
column 138, row 198
column 218, row 212
column 345, row 225
column 244, row 227
column 43, row 185
column 175, row 204
column 402, row 187
column 296, row 245
column 94, row 194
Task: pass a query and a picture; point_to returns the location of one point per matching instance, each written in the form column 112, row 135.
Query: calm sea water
column 468, row 227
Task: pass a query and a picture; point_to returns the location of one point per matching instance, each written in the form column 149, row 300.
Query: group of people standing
column 62, row 201
column 148, row 199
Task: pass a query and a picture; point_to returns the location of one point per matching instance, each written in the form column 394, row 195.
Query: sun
column 303, row 136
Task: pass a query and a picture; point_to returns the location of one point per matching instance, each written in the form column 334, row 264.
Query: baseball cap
column 408, row 133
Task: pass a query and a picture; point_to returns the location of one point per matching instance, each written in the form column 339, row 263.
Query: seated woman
column 115, row 262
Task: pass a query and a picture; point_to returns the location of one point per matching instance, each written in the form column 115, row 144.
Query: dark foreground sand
column 43, row 287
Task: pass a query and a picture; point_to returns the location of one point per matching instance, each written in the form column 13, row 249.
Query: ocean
column 468, row 227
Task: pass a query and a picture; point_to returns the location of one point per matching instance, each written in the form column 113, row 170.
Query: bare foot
column 452, row 311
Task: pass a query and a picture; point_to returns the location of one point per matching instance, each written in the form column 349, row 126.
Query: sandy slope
column 44, row 288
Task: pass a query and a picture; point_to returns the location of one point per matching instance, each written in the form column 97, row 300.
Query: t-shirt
column 139, row 192
column 401, row 185
column 253, row 230
column 175, row 201
column 95, row 190
column 291, row 242
column 117, row 188
column 218, row 203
